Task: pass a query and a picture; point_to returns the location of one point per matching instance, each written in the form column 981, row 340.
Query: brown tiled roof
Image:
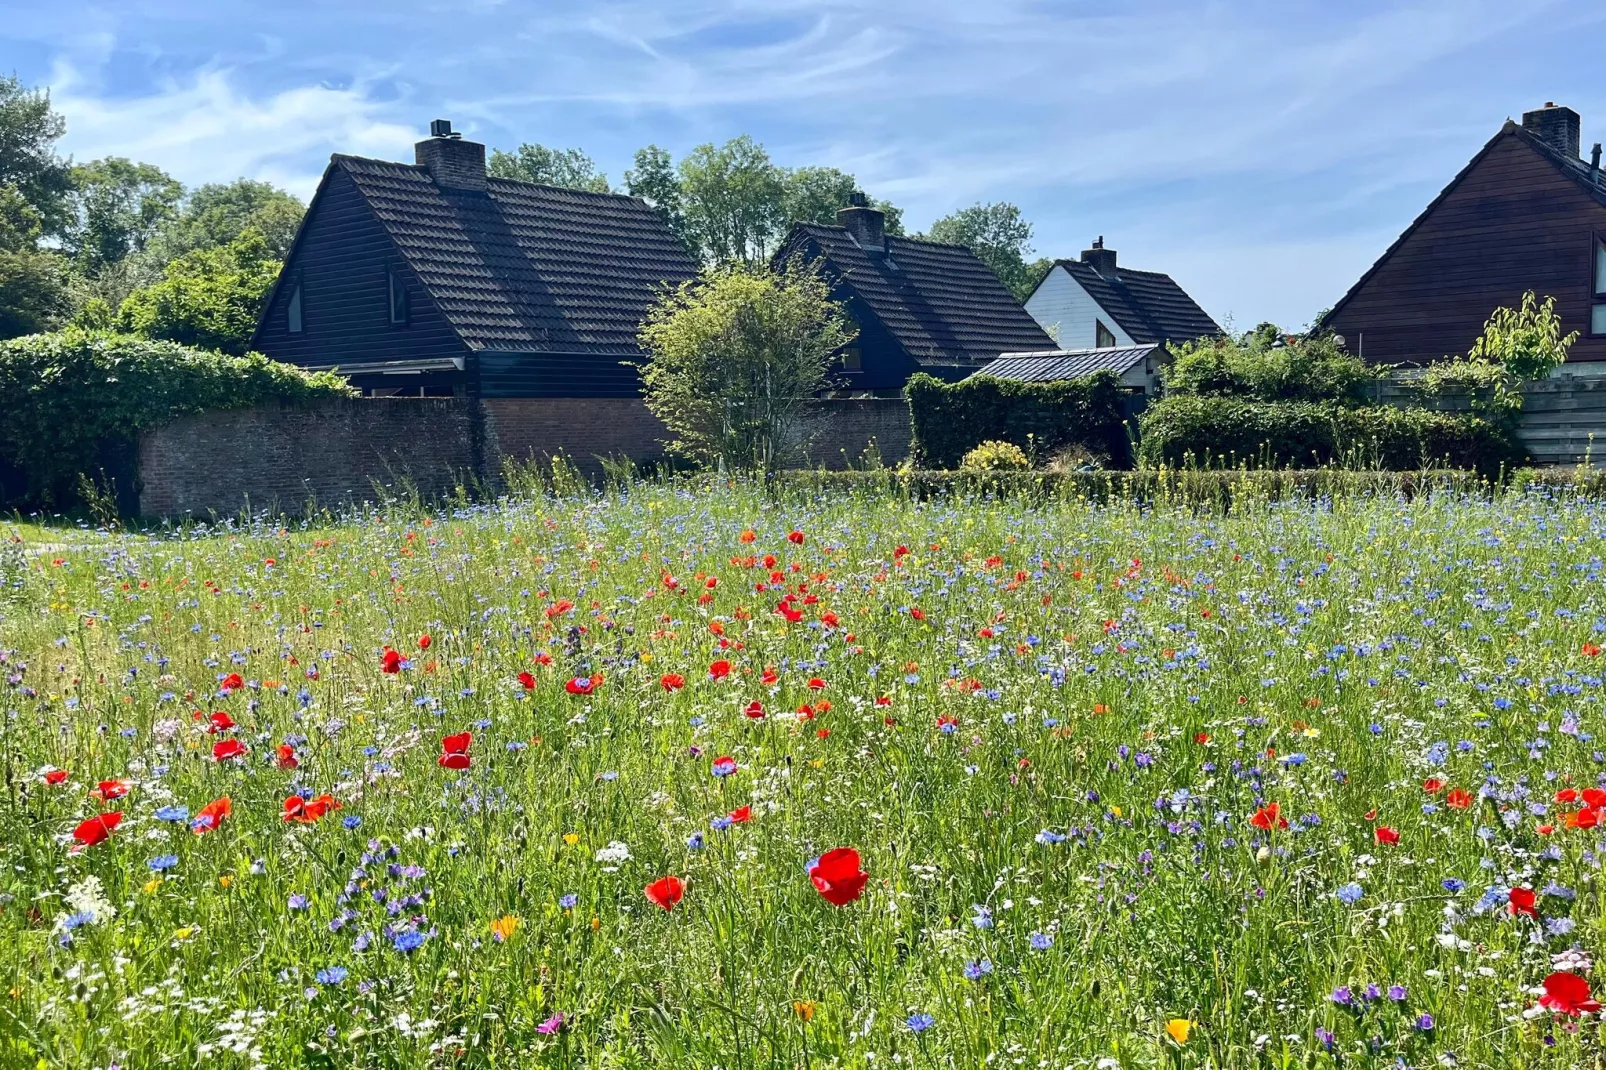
column 941, row 304
column 523, row 267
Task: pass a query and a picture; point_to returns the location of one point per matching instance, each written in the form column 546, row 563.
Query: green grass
column 1050, row 771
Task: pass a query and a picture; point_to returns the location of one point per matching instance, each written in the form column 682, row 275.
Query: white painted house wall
column 1068, row 312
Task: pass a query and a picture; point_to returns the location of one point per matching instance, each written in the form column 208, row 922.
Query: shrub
column 1263, row 366
column 68, row 395
column 1226, row 432
column 950, row 419
column 996, row 457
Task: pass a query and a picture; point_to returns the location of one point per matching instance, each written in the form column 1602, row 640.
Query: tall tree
column 999, row 236
column 29, row 130
column 732, row 195
column 654, row 180
column 570, row 168
column 118, row 207
column 814, row 195
column 218, row 213
column 34, row 294
column 209, row 298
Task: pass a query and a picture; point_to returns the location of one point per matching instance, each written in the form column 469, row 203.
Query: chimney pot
column 1101, row 260
column 867, row 225
column 1594, row 157
column 1555, row 126
column 453, row 163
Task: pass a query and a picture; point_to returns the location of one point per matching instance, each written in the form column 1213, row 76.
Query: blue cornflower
column 1049, row 836
column 408, row 941
column 695, row 841
column 919, row 1022
column 351, row 821
column 1452, row 885
column 1343, row 996
column 975, row 971
column 720, row 824
column 330, row 975
column 983, row 916
column 568, row 901
column 1349, row 894
column 1040, row 941
column 298, row 902
column 172, row 813
column 162, row 863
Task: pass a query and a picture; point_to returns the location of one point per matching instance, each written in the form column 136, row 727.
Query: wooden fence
column 1563, row 418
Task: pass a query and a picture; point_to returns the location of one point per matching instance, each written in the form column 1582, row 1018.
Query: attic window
column 1597, row 310
column 1103, row 337
column 398, row 298
column 292, row 315
column 852, row 360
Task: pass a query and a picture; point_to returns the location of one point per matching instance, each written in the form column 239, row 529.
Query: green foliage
column 1206, row 432
column 950, row 419
column 34, row 292
column 118, row 208
column 218, row 213
column 654, row 180
column 1261, row 365
column 210, row 298
column 736, row 356
column 29, row 130
column 1518, row 345
column 993, row 456
column 569, row 168
column 815, row 194
column 1000, row 237
column 69, row 393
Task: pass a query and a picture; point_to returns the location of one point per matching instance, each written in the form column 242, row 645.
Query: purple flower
column 1343, row 996
column 552, row 1024
column 1424, row 1022
column 1397, row 993
column 298, row 902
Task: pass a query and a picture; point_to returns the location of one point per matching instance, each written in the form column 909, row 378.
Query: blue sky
column 1264, row 152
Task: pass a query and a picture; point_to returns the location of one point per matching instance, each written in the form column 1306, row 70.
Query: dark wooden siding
column 557, row 375
column 1513, row 223
column 341, row 259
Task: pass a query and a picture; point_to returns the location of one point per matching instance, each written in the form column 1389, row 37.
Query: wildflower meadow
column 688, row 774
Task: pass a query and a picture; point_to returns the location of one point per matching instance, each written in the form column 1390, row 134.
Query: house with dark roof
column 920, row 306
column 432, row 278
column 1526, row 213
column 1094, row 303
column 1138, row 367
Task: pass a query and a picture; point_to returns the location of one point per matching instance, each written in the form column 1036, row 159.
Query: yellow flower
column 151, row 885
column 184, row 933
column 504, row 927
column 596, row 923
column 571, row 838
column 1179, row 1028
column 225, row 880
column 1116, row 810
column 804, row 1009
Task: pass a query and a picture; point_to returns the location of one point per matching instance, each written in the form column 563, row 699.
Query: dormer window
column 292, row 312
column 398, row 298
column 1103, row 337
column 1597, row 309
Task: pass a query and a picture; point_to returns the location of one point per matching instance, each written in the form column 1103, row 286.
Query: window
column 851, row 359
column 398, row 298
column 1597, row 308
column 1103, row 337
column 292, row 313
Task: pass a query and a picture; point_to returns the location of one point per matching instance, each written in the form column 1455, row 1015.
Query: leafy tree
column 732, row 195
column 118, row 207
column 1518, row 345
column 815, row 194
column 34, row 292
column 999, row 236
column 218, row 213
column 210, row 298
column 654, row 180
column 1262, row 365
column 569, row 168
column 736, row 356
column 29, row 130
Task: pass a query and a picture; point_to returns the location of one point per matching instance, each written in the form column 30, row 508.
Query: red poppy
column 1269, row 817
column 211, row 815
column 424, row 641
column 107, row 790
column 1587, row 818
column 224, row 749
column 583, row 685
column 796, row 538
column 1458, row 798
column 308, row 811
column 1521, row 901
column 719, row 669
column 56, row 776
column 527, row 681
column 917, row 613
column 837, row 876
column 769, row 676
column 672, row 681
column 1201, row 738
column 1567, row 993
column 1433, row 785
column 742, row 815
column 816, row 684
column 1566, row 795
column 1591, row 650
column 1385, row 834
column 232, row 682
column 287, row 757
column 220, row 721
column 455, row 751
column 1594, row 797
column 97, row 829
column 665, row 892
column 390, row 661
column 747, row 536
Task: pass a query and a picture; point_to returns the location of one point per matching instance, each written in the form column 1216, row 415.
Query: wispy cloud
column 1264, row 151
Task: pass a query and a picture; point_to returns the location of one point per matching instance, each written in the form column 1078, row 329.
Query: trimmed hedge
column 1216, row 432
column 69, row 399
column 951, row 419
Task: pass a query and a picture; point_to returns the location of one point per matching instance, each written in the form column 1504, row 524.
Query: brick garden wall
column 280, row 459
column 583, row 429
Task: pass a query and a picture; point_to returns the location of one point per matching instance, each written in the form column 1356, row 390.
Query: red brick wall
column 283, row 458
column 840, row 430
column 584, row 429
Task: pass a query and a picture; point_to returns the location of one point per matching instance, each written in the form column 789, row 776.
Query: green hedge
column 66, row 398
column 950, row 419
column 1217, row 432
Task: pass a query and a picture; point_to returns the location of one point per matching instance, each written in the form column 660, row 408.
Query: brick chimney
column 867, row 225
column 1555, row 126
column 453, row 163
column 1101, row 259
